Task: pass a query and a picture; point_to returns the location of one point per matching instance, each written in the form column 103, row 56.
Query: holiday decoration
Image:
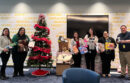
column 109, row 46
column 63, row 44
column 40, row 54
column 75, row 49
column 85, row 43
column 83, row 49
column 100, row 47
column 64, row 57
column 31, row 44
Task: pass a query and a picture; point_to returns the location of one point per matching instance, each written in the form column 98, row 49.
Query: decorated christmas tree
column 40, row 54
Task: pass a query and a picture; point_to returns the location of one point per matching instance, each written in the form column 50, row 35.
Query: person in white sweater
column 5, row 40
column 90, row 56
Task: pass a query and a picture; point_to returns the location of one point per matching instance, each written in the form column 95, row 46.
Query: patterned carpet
column 52, row 78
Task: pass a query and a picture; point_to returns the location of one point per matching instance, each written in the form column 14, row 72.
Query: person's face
column 105, row 34
column 76, row 35
column 22, row 31
column 43, row 17
column 90, row 31
column 123, row 29
column 6, row 32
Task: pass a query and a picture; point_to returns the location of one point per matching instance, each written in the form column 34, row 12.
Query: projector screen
column 82, row 23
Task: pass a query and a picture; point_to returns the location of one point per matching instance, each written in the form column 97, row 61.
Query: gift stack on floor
column 64, row 57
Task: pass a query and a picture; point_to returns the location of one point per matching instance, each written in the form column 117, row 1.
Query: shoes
column 15, row 75
column 4, row 78
column 21, row 75
column 121, row 76
column 128, row 78
column 109, row 75
column 104, row 75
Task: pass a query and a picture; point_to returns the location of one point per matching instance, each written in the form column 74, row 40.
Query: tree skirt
column 40, row 72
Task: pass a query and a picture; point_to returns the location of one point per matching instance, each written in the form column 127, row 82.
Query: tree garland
column 42, row 27
column 40, row 57
column 36, row 38
column 45, row 50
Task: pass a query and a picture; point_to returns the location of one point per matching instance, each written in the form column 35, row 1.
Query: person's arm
column 86, row 37
column 117, row 41
column 100, row 40
column 113, row 41
column 28, row 39
column 96, row 39
column 82, row 42
column 1, row 49
column 125, row 41
column 71, row 46
column 15, row 39
column 101, row 44
column 113, row 51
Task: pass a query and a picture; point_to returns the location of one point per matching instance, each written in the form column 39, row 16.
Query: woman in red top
column 76, row 41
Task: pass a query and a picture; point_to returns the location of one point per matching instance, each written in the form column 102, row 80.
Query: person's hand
column 122, row 41
column 112, row 59
column 5, row 50
column 98, row 51
column 21, row 45
column 102, row 50
column 76, row 53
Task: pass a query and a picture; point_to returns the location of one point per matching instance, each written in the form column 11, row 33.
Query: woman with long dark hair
column 19, row 52
column 5, row 40
column 77, row 42
column 90, row 56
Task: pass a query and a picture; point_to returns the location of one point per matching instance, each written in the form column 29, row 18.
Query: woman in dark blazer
column 108, row 54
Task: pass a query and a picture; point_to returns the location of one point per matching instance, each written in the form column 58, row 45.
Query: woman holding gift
column 76, row 42
column 19, row 52
column 90, row 56
column 108, row 54
column 5, row 40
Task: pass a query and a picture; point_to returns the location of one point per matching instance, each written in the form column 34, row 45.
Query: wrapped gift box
column 109, row 46
column 63, row 46
column 60, row 67
column 75, row 49
column 63, row 61
column 64, row 57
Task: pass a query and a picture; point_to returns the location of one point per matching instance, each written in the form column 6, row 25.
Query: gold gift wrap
column 109, row 46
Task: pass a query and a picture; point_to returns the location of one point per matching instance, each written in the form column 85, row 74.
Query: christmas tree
column 40, row 54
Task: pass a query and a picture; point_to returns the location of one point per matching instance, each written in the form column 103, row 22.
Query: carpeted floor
column 28, row 78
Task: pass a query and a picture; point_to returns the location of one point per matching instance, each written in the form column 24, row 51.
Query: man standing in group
column 123, row 39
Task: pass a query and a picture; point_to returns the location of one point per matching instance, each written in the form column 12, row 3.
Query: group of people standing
column 107, row 55
column 19, row 51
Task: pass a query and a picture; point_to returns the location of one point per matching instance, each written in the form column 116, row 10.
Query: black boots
column 3, row 77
